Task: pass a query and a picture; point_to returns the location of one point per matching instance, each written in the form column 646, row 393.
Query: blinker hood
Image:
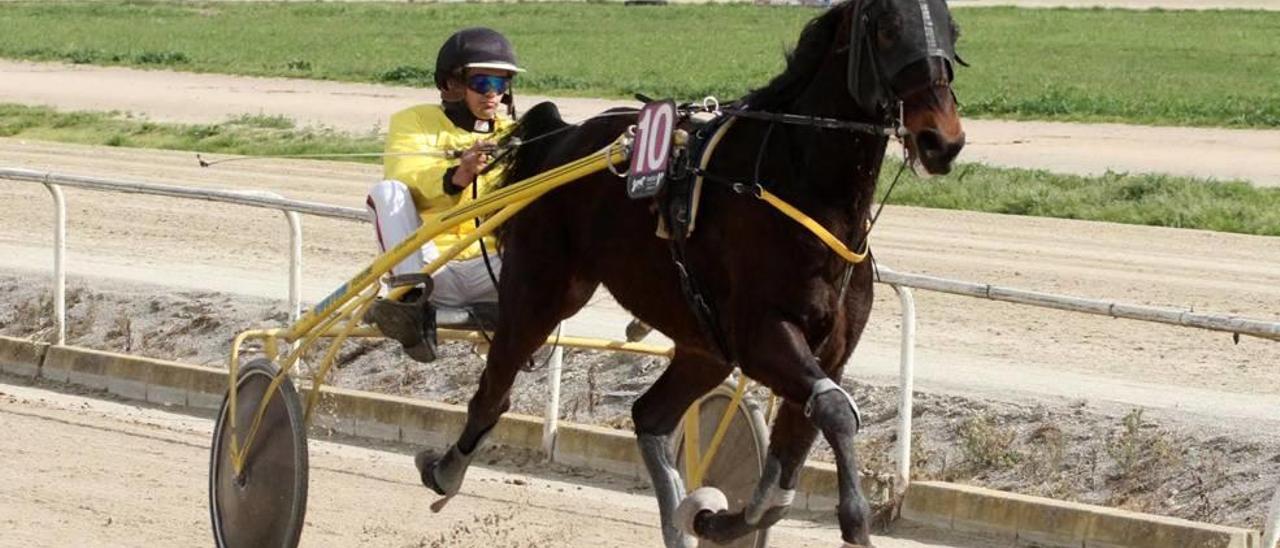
column 926, row 31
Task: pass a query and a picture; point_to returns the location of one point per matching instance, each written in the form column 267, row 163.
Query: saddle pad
column 695, row 199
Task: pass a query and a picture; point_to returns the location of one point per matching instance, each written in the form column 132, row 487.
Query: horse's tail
column 533, row 138
column 531, row 142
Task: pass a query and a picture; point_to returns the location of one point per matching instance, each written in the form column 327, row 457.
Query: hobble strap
column 769, row 493
column 775, row 497
column 827, row 385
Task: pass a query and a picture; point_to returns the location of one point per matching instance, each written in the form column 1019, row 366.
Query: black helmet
column 476, row 47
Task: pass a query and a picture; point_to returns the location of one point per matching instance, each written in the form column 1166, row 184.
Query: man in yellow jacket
column 435, row 155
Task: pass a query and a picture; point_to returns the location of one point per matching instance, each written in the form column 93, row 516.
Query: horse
column 781, row 305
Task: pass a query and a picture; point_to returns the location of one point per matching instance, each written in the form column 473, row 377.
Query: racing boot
column 411, row 321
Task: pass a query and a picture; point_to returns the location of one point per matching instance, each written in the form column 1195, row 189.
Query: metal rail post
column 551, row 423
column 59, row 264
column 1272, row 525
column 295, row 264
column 906, row 388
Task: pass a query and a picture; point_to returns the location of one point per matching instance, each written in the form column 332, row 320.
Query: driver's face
column 484, row 106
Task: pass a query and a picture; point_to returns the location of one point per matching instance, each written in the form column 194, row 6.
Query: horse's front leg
column 833, row 411
column 778, row 356
column 656, row 414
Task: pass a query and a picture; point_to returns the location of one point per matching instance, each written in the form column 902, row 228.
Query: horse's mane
column 816, row 42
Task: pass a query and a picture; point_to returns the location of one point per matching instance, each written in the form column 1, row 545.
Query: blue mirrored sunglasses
column 485, row 83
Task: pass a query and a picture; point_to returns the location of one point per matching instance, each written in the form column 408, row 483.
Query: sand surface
column 84, row 471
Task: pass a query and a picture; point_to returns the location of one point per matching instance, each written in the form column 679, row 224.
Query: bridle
column 925, row 34
column 867, row 81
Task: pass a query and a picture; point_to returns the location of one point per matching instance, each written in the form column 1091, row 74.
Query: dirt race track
column 969, row 346
column 87, row 471
column 82, row 469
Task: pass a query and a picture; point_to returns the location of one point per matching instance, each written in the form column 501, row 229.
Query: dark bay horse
column 788, row 311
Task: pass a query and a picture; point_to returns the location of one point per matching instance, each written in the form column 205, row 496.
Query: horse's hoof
column 703, row 499
column 426, row 461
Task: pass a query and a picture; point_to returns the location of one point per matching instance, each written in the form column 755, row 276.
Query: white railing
column 250, row 198
column 901, row 283
column 1170, row 316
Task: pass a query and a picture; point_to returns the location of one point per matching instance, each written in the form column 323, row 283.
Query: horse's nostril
column 936, row 151
column 953, row 148
column 929, row 141
column 932, row 144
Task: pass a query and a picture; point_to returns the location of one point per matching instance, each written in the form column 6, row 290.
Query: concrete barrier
column 1020, row 519
column 155, row 381
column 1027, row 520
column 21, row 357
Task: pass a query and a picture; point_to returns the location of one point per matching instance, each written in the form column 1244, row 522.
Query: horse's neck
column 836, row 170
column 834, row 175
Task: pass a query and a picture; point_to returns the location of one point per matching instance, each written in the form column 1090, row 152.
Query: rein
column 806, row 221
column 757, row 190
column 896, row 130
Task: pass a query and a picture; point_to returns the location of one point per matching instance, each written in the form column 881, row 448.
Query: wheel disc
column 266, row 504
column 739, row 462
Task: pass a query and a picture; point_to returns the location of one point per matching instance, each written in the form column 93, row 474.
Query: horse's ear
column 863, row 80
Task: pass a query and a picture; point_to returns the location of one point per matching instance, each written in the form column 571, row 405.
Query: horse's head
column 902, row 52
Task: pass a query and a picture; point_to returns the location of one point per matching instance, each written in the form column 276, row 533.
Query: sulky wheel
column 264, row 506
column 738, row 463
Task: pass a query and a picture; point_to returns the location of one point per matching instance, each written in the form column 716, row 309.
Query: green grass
column 1132, row 199
column 1155, row 200
column 1214, row 68
column 245, row 134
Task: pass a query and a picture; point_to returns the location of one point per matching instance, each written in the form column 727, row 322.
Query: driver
column 474, row 72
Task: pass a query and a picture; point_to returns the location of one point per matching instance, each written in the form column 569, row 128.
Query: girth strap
column 701, row 307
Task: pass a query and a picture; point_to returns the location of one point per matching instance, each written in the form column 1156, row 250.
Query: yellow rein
column 796, row 215
column 815, row 227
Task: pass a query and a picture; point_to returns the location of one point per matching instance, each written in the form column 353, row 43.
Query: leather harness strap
column 702, row 307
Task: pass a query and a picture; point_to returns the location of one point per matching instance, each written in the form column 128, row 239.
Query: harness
column 680, row 201
column 868, row 78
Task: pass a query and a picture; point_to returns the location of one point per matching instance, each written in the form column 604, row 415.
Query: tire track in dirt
column 78, row 468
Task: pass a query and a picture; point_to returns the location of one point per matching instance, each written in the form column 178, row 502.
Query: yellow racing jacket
column 426, row 128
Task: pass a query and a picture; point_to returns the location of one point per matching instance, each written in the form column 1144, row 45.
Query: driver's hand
column 472, row 161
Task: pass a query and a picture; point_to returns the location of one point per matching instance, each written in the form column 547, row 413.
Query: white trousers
column 457, row 283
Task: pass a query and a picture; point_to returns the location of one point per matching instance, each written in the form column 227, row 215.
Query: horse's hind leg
column 533, row 301
column 656, row 414
column 789, row 443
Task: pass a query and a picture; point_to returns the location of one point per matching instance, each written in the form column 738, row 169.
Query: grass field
column 1146, row 199
column 246, row 134
column 1133, row 199
column 1172, row 68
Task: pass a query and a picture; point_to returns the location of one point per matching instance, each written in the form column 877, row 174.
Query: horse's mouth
column 933, row 151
